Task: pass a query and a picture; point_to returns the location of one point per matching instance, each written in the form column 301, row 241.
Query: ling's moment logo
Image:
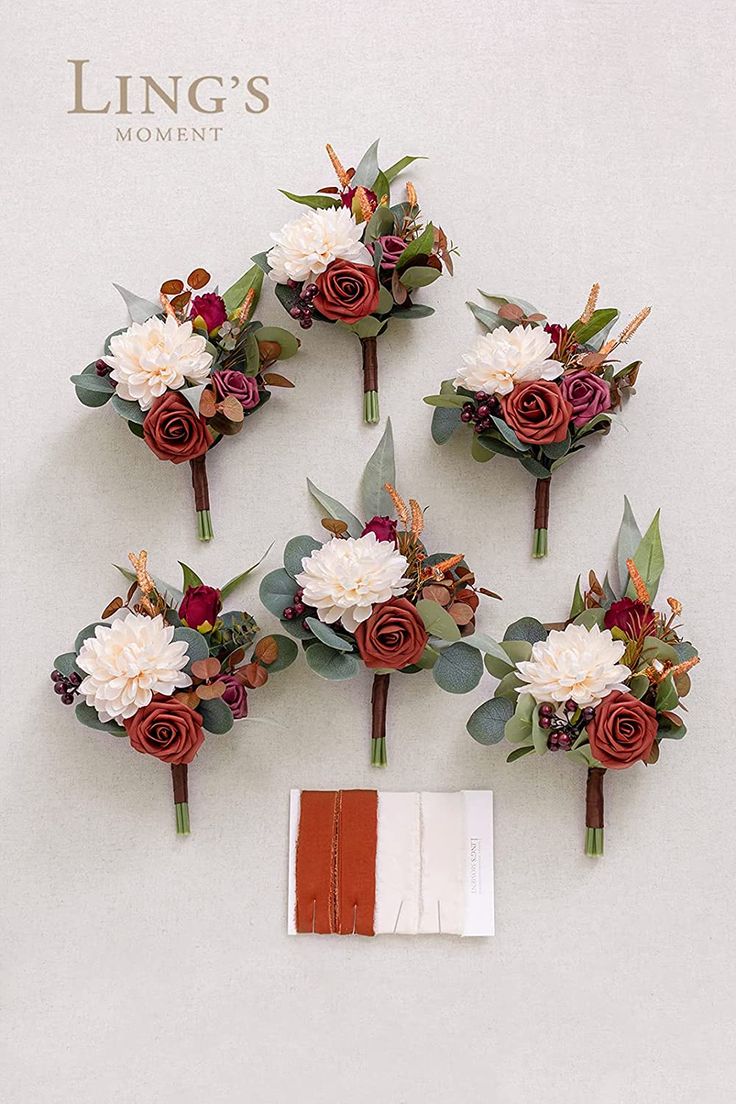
column 151, row 108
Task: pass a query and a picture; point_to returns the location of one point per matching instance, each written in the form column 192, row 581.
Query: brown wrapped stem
column 594, row 798
column 379, row 698
column 199, row 483
column 179, row 777
column 370, row 363
column 541, row 504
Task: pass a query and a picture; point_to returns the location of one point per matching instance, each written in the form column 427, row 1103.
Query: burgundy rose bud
column 349, row 195
column 232, row 382
column 392, row 246
column 211, row 308
column 235, row 695
column 383, row 528
column 633, row 618
column 200, row 607
column 587, row 394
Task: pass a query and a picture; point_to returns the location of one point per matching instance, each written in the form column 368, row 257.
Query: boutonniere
column 188, row 371
column 373, row 595
column 538, row 392
column 358, row 258
column 603, row 687
column 166, row 667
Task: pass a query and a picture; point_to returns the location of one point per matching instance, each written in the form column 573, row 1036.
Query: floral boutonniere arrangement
column 537, row 392
column 165, row 667
column 372, row 594
column 357, row 259
column 604, row 686
column 188, row 371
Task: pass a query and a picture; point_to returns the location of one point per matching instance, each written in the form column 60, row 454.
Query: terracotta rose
column 393, row 636
column 347, row 291
column 538, row 412
column 174, row 431
column 622, row 731
column 167, row 729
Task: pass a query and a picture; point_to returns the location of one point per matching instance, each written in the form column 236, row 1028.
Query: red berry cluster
column 564, row 731
column 66, row 685
column 303, row 309
column 480, row 411
column 297, row 609
column 102, row 369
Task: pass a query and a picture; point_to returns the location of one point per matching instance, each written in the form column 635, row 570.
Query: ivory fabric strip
column 398, row 863
column 442, row 906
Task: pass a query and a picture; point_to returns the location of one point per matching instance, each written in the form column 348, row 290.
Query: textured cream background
column 569, row 142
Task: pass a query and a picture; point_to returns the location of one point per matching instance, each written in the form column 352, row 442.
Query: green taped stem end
column 205, row 532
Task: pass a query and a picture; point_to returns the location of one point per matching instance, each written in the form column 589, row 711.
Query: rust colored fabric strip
column 314, row 862
column 356, row 870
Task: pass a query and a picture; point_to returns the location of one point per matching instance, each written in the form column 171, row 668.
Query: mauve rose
column 347, row 291
column 348, row 197
column 167, row 729
column 211, row 309
column 634, row 618
column 174, row 431
column 232, row 382
column 622, row 731
column 383, row 527
column 587, row 394
column 392, row 246
column 394, row 635
column 235, row 695
column 200, row 606
column 537, row 412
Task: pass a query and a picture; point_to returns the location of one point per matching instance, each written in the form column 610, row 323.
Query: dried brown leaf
column 208, row 691
column 206, row 668
column 199, row 278
column 276, row 380
column 435, row 592
column 460, row 613
column 114, row 606
column 253, row 675
column 172, row 287
column 334, row 525
column 266, row 650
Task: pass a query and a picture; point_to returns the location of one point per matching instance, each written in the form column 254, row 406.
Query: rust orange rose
column 538, row 412
column 174, row 431
column 622, row 731
column 167, row 729
column 393, row 636
column 347, row 291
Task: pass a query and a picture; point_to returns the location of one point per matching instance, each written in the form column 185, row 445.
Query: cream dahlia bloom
column 151, row 356
column 344, row 579
column 578, row 663
column 304, row 248
column 503, row 358
column 128, row 662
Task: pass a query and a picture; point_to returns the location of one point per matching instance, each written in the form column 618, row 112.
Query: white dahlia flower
column 151, row 356
column 578, row 663
column 128, row 662
column 344, row 579
column 304, row 248
column 503, row 358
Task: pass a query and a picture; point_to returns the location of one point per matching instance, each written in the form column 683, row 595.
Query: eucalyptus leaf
column 67, row 664
column 534, row 467
column 277, row 591
column 90, row 381
column 329, row 664
column 416, row 310
column 508, row 434
column 197, row 647
column 286, row 340
column 684, row 650
column 88, row 716
column 480, row 451
column 336, row 510
column 380, row 223
column 444, row 423
column 528, row 629
column 370, row 326
column 509, row 686
column 500, row 300
column 557, row 450
column 591, row 617
column 217, row 716
column 328, row 636
column 131, row 411
column 459, row 668
column 140, row 310
column 86, row 632
column 385, row 301
column 539, row 734
column 518, row 651
column 419, row 276
column 449, row 402
column 487, row 318
column 667, row 696
column 437, row 620
column 487, row 723
column 288, row 652
column 519, row 727
column 298, row 549
column 380, row 469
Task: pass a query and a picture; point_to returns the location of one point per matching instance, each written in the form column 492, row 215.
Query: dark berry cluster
column 564, row 731
column 66, row 685
column 480, row 411
column 297, row 609
column 102, row 369
column 303, row 309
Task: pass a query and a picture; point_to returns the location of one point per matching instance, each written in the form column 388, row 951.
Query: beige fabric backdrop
column 569, row 142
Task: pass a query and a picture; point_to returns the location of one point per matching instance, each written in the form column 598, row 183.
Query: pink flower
column 210, row 307
column 235, row 695
column 232, row 382
column 587, row 394
column 392, row 246
column 383, row 528
column 200, row 607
